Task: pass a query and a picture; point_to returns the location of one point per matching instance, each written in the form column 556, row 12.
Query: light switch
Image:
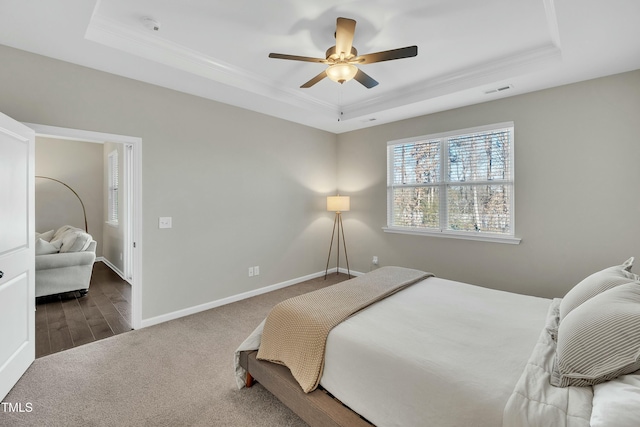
column 164, row 222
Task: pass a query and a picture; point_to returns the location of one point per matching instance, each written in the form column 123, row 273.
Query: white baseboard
column 228, row 300
column 345, row 271
column 111, row 266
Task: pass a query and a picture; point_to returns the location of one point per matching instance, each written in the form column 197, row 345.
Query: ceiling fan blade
column 387, row 55
column 314, row 80
column 365, row 79
column 297, row 58
column 345, row 28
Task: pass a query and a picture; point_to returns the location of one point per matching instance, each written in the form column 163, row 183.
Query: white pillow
column 596, row 284
column 599, row 340
column 75, row 241
column 616, row 403
column 45, row 248
column 63, row 230
column 46, row 236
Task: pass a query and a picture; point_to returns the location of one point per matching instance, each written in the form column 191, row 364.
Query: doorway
column 71, row 319
column 131, row 255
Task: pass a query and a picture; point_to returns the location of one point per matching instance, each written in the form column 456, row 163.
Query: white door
column 17, row 253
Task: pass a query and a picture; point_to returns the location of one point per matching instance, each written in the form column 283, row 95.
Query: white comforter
column 439, row 353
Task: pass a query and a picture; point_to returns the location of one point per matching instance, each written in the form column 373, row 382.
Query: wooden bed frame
column 318, row 408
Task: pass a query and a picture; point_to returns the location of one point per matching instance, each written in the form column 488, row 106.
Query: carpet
column 178, row 373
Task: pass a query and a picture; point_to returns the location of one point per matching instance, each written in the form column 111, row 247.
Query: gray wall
column 577, row 149
column 113, row 235
column 79, row 165
column 247, row 189
column 243, row 188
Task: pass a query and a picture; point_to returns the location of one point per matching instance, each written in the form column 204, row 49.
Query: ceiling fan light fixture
column 342, row 72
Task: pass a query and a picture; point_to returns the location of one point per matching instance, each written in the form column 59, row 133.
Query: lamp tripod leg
column 344, row 242
column 339, row 218
column 330, row 245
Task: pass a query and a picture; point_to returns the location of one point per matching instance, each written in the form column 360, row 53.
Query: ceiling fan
column 343, row 57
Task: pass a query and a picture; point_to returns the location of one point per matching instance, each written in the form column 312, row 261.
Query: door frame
column 134, row 247
column 129, row 169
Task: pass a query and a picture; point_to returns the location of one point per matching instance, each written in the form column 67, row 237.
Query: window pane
column 416, row 163
column 113, row 187
column 484, row 208
column 480, row 157
column 416, row 207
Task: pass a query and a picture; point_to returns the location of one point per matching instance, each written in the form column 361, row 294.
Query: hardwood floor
column 69, row 320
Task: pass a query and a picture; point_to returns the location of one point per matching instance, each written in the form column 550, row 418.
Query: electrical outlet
column 250, row 271
column 256, row 270
column 374, row 261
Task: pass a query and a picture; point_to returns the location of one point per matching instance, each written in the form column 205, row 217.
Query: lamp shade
column 338, row 203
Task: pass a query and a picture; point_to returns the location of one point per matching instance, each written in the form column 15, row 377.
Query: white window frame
column 112, row 188
column 443, row 184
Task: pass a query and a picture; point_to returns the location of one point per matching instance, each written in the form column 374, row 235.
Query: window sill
column 453, row 235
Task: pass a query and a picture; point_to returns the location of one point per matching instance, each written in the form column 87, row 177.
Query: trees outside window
column 459, row 182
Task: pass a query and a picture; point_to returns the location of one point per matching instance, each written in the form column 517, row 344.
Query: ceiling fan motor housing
column 333, row 55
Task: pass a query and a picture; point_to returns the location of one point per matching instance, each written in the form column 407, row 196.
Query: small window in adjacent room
column 112, row 214
column 456, row 184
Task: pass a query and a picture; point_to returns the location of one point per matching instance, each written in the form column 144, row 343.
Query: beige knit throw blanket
column 295, row 332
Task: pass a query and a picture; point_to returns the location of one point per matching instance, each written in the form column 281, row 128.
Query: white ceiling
column 219, row 49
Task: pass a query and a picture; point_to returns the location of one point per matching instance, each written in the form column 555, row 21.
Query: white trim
column 136, row 142
column 80, row 135
column 552, row 21
column 455, row 235
column 234, row 298
column 345, row 271
column 112, row 267
column 128, row 220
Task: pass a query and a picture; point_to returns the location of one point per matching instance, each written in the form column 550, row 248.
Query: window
column 455, row 184
column 112, row 214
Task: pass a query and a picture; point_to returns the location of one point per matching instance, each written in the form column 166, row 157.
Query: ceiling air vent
column 500, row 89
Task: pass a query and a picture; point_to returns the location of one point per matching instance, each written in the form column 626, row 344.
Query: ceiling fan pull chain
column 340, row 103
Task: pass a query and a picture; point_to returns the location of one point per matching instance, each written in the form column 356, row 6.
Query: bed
column 445, row 353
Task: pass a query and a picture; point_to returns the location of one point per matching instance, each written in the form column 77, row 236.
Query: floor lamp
column 338, row 204
column 84, row 212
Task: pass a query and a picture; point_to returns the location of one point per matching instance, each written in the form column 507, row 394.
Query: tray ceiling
column 467, row 49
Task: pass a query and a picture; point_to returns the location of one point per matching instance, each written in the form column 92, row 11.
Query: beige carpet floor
column 178, row 373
